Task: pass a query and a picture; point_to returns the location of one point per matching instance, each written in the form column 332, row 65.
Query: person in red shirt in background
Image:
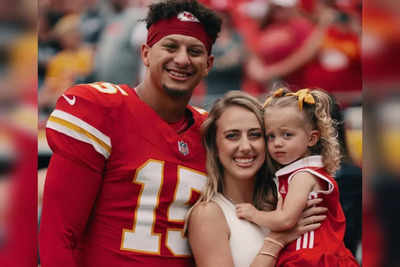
column 230, row 55
column 282, row 39
column 337, row 64
column 303, row 44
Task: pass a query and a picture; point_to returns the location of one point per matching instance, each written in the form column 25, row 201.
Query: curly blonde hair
column 316, row 111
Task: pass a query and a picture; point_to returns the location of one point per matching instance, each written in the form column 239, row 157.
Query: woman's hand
column 311, row 219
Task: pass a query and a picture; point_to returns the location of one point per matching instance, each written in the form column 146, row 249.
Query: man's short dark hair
column 169, row 8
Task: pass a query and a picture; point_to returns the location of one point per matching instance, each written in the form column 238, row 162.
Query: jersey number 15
column 142, row 238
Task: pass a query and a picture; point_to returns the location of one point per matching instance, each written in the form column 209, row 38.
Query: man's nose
column 182, row 57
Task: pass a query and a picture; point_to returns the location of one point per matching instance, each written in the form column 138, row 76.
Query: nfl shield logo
column 183, row 148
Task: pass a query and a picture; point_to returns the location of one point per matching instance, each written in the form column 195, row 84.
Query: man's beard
column 177, row 93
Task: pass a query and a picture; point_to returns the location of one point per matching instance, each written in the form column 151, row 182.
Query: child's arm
column 286, row 217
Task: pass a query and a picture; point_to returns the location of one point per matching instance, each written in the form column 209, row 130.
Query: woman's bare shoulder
column 206, row 211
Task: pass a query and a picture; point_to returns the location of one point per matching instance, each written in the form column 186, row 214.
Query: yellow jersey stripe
column 81, row 132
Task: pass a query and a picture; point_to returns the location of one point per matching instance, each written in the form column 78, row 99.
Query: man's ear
column 314, row 137
column 210, row 62
column 145, row 53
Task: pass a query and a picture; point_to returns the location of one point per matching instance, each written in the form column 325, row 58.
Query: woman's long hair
column 264, row 194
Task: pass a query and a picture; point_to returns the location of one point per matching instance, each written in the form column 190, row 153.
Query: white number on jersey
column 142, row 238
column 108, row 88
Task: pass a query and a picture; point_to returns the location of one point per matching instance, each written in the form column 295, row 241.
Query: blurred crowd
column 303, row 43
column 18, row 133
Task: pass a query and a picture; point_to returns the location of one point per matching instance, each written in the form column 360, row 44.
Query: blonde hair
column 264, row 185
column 317, row 112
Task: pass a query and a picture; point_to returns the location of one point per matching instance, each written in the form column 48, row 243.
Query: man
column 128, row 162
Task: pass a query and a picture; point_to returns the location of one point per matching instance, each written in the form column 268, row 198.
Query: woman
column 235, row 144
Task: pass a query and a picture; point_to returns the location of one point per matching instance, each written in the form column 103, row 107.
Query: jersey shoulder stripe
column 199, row 114
column 78, row 129
column 200, row 110
column 103, row 94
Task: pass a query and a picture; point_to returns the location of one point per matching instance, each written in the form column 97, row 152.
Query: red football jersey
column 323, row 247
column 150, row 175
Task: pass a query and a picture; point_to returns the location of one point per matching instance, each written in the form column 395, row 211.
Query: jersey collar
column 311, row 161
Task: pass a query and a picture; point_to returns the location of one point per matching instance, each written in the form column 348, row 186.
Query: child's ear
column 314, row 137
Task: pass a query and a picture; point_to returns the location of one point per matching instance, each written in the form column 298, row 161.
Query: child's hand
column 246, row 211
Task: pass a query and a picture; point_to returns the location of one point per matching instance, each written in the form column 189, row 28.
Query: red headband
column 185, row 23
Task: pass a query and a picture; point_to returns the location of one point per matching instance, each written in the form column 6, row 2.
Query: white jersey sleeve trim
column 78, row 129
column 317, row 174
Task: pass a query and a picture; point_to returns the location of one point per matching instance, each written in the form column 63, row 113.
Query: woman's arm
column 208, row 234
column 311, row 219
column 268, row 254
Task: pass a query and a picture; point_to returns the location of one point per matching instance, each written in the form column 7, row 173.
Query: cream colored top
column 246, row 238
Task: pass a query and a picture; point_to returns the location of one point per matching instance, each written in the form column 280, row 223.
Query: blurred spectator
column 381, row 44
column 337, row 65
column 229, row 55
column 385, row 184
column 117, row 57
column 23, row 58
column 349, row 179
column 97, row 14
column 18, row 47
column 92, row 21
column 381, row 78
column 71, row 64
column 47, row 45
column 304, row 43
column 282, row 41
column 65, row 7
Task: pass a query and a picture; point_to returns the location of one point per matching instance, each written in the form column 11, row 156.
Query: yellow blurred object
column 390, row 145
column 66, row 24
column 24, row 54
column 25, row 118
column 69, row 65
column 354, row 143
column 6, row 145
column 79, row 62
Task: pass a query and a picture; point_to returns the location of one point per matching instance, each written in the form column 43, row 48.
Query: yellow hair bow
column 303, row 95
column 277, row 93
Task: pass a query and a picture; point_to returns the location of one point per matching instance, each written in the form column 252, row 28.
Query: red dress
column 324, row 246
column 149, row 177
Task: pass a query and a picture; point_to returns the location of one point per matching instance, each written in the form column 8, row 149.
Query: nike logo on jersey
column 70, row 101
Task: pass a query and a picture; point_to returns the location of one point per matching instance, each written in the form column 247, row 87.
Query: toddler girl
column 303, row 151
